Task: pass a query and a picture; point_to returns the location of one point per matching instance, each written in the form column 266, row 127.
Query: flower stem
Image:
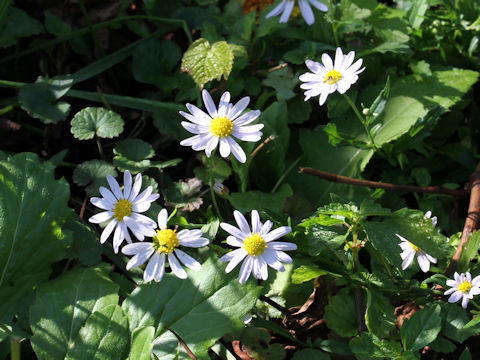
column 334, row 26
column 15, row 351
column 475, row 304
column 362, row 120
column 100, row 148
column 212, row 190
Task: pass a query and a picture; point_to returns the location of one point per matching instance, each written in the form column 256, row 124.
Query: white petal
column 209, row 104
column 114, row 186
column 107, row 194
column 277, row 233
column 423, row 262
column 408, row 260
column 176, row 267
column 315, row 67
column 263, row 268
column 235, row 258
column 338, row 59
column 239, row 107
column 271, row 260
column 162, row 219
column 161, row 269
column 247, row 118
column 136, row 188
column 101, row 217
column 197, row 117
column 234, row 231
column 153, row 266
column 138, row 247
column 118, row 237
column 307, row 12
column 277, row 10
column 230, row 255
column 211, row 145
column 127, row 184
column 237, row 150
column 195, row 128
column 224, row 147
column 139, row 259
column 286, row 13
column 245, row 270
column 242, row 222
column 323, row 98
column 464, row 301
column 283, row 257
column 284, row 246
column 327, row 62
column 233, row 241
column 107, row 231
column 256, row 223
column 449, row 291
column 224, row 105
column 320, row 6
column 194, row 243
column 187, row 260
column 102, row 203
column 457, row 295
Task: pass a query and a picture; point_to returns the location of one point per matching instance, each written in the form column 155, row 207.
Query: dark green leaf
column 93, row 174
column 18, row 25
column 379, row 316
column 341, row 315
column 55, row 25
column 258, row 200
column 422, row 328
column 310, row 354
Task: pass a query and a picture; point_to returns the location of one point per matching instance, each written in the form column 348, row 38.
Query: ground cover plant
column 239, row 179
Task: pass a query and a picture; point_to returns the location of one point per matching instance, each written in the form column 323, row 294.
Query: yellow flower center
column 465, row 287
column 413, row 246
column 332, row 77
column 296, row 11
column 254, row 245
column 221, row 126
column 123, row 207
column 165, row 241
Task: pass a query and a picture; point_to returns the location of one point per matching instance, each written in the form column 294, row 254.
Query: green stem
column 212, row 184
column 100, row 148
column 84, row 11
column 282, row 177
column 15, row 350
column 334, row 26
column 360, row 117
column 475, row 304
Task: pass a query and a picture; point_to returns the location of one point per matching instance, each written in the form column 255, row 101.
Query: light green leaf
column 33, row 211
column 93, row 174
column 416, row 14
column 259, row 200
column 367, row 346
column 469, row 251
column 306, row 273
column 142, row 343
column 205, row 62
column 39, row 99
column 18, row 25
column 199, row 309
column 133, row 155
column 93, row 121
column 379, row 316
column 77, row 294
column 104, row 336
column 422, row 328
column 341, row 314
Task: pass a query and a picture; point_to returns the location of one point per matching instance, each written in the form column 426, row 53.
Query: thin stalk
column 334, row 27
column 100, row 148
column 358, row 292
column 360, row 117
column 282, row 177
column 84, row 11
column 15, row 350
column 102, row 98
column 274, row 304
column 212, row 184
column 475, row 304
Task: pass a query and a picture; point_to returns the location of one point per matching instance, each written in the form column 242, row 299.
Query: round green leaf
column 93, row 121
column 93, row 174
column 133, row 155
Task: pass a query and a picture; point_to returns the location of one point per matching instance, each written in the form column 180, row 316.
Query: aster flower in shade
column 256, row 246
column 409, row 252
column 165, row 247
column 220, row 126
column 428, row 215
column 286, row 7
column 123, row 210
column 331, row 76
column 463, row 287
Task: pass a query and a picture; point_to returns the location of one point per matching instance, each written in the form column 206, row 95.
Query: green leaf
column 472, row 328
column 416, row 13
column 77, row 294
column 422, row 328
column 18, row 25
column 31, row 235
column 55, row 25
column 39, row 99
column 133, row 155
column 368, row 346
column 379, row 316
column 184, row 194
column 148, row 56
column 85, row 246
column 103, row 337
column 341, row 315
column 258, row 200
column 93, row 121
column 142, row 343
column 306, row 273
column 93, row 174
column 205, row 62
column 469, row 251
column 199, row 309
column 310, row 354
column 455, row 320
column 282, row 81
column 466, row 355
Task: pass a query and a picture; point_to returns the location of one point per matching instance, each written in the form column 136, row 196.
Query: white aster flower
column 409, row 252
column 220, row 126
column 257, row 246
column 123, row 210
column 463, row 287
column 165, row 246
column 286, row 7
column 428, row 215
column 330, row 77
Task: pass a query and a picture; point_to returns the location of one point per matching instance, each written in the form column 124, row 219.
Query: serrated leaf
column 205, row 62
column 341, row 315
column 367, row 346
column 422, row 328
column 103, row 337
column 31, row 236
column 18, row 24
column 93, row 174
column 142, row 343
column 199, row 309
column 93, row 121
column 40, row 99
column 77, row 294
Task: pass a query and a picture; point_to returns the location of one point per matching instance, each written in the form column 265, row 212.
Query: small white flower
column 408, row 254
column 123, row 210
column 165, row 246
column 330, row 77
column 257, row 246
column 463, row 287
column 220, row 126
column 286, row 7
column 428, row 215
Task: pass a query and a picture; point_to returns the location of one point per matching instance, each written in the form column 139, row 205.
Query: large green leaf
column 341, row 314
column 93, row 174
column 422, row 328
column 379, row 316
column 258, row 200
column 104, row 336
column 142, row 343
column 200, row 309
column 93, row 121
column 33, row 208
column 205, row 61
column 77, row 294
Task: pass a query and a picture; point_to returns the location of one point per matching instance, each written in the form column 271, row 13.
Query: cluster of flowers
column 256, row 244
